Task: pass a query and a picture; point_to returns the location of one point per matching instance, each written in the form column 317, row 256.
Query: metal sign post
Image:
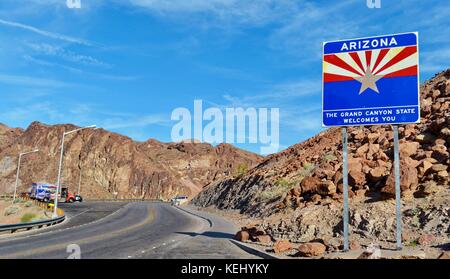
column 345, row 181
column 398, row 205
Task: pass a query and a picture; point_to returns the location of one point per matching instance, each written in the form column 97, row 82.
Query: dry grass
column 20, row 211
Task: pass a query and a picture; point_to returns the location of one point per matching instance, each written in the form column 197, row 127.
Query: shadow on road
column 209, row 234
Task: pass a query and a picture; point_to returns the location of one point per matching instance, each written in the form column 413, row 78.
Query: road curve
column 136, row 230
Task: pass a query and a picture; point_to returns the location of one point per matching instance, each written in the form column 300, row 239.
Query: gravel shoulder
column 426, row 226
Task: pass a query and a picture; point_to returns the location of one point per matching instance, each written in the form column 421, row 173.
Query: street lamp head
column 79, row 129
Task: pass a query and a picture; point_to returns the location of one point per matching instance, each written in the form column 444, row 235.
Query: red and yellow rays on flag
column 380, row 63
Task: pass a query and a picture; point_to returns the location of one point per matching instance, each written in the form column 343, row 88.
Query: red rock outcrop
column 305, row 173
column 112, row 165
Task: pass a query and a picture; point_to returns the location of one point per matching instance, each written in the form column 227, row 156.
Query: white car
column 179, row 200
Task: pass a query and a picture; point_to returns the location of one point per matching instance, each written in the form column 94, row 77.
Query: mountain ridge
column 113, row 165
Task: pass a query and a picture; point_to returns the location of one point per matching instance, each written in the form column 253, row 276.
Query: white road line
column 80, row 213
column 23, row 235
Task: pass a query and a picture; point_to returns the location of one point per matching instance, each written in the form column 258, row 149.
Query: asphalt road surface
column 128, row 230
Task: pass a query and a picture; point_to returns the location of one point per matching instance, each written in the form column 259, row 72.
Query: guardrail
column 38, row 224
column 122, row 200
column 28, row 226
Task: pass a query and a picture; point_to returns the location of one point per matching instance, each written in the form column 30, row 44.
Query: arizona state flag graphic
column 371, row 81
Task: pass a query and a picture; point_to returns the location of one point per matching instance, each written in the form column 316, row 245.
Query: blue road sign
column 371, row 81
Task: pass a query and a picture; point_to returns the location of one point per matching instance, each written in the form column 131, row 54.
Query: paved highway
column 128, row 230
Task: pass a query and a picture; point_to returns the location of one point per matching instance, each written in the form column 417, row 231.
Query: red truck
column 70, row 197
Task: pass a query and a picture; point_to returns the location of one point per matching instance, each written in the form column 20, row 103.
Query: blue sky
column 125, row 65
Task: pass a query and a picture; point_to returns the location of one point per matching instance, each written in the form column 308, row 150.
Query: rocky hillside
column 112, row 165
column 309, row 173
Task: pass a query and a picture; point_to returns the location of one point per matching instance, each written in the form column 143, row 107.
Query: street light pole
column 18, row 171
column 58, row 186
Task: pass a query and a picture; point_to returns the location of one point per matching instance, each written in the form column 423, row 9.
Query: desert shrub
column 11, row 210
column 280, row 187
column 270, row 173
column 412, row 243
column 28, row 204
column 329, row 157
column 241, row 170
column 19, row 200
column 27, row 217
column 306, row 170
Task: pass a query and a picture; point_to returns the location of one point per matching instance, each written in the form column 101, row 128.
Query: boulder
column 312, row 249
column 445, row 255
column 428, row 188
column 355, row 164
column 380, row 155
column 282, row 246
column 360, row 193
column 373, row 137
column 358, row 134
column 356, row 178
column 254, row 232
column 411, row 162
column 440, row 153
column 326, row 188
column 296, row 192
column 354, row 245
column 442, row 175
column 424, row 166
column 242, row 236
column 438, row 167
column 316, row 198
column 426, row 239
column 407, row 236
column 425, row 138
column 309, row 184
column 373, row 149
column 408, row 148
column 445, row 132
column 377, row 174
column 264, row 239
column 408, row 179
column 362, row 150
column 439, row 142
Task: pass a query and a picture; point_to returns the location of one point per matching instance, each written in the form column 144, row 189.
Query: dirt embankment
column 21, row 211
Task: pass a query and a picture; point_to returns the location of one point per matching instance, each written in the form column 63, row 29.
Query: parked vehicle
column 179, row 200
column 46, row 193
column 70, row 197
column 42, row 191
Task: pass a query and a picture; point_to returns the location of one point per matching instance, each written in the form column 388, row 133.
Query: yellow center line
column 62, row 246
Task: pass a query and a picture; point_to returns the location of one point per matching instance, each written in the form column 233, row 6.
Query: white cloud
column 137, row 121
column 435, row 61
column 45, row 33
column 31, row 113
column 52, row 50
column 32, row 81
column 230, row 11
column 277, row 95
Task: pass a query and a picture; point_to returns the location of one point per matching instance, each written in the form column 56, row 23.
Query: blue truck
column 46, row 192
column 42, row 191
